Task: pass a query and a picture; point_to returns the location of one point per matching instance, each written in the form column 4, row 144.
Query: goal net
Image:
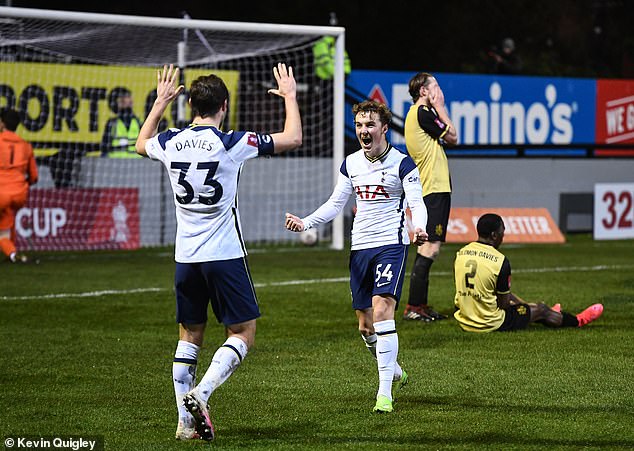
column 75, row 78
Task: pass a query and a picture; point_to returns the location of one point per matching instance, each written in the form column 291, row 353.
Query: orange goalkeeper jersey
column 17, row 163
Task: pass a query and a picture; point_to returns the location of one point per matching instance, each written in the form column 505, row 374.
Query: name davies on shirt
column 194, row 144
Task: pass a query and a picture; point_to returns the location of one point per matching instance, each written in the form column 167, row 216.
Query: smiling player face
column 370, row 132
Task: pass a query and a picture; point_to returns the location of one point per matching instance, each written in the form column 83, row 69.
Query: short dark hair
column 10, row 118
column 489, row 223
column 207, row 94
column 372, row 106
column 121, row 91
column 418, row 80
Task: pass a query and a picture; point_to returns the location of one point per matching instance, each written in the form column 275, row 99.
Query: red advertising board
column 79, row 219
column 615, row 115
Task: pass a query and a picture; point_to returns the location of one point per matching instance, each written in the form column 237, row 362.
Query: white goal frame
column 192, row 24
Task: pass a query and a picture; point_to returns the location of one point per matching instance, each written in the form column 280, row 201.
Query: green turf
column 101, row 365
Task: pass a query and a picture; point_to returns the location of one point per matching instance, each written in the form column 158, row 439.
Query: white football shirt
column 383, row 187
column 204, row 166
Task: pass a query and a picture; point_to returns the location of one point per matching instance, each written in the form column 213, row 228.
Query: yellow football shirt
column 481, row 272
column 423, row 131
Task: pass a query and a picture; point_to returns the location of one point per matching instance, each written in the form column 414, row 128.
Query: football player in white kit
column 204, row 165
column 385, row 181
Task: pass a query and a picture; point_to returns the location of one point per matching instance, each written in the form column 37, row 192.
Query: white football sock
column 223, row 364
column 184, row 376
column 386, row 354
column 370, row 343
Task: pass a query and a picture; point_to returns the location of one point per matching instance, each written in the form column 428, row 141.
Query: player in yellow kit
column 484, row 302
column 428, row 129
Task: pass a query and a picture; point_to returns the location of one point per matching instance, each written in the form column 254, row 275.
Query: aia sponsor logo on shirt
column 371, row 192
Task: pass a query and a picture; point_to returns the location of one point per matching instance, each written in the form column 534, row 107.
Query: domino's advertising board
column 493, row 109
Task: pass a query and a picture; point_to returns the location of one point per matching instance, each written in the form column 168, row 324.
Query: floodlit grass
column 101, row 364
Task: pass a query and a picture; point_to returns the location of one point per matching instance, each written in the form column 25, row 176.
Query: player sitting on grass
column 384, row 181
column 484, row 301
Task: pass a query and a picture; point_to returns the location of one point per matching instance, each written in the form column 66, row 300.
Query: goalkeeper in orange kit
column 17, row 172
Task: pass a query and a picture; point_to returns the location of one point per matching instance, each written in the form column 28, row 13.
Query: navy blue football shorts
column 377, row 271
column 226, row 284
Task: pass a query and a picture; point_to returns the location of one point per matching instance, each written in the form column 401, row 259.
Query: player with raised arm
column 385, row 181
column 204, row 165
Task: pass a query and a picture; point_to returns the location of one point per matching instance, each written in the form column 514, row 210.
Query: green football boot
column 383, row 404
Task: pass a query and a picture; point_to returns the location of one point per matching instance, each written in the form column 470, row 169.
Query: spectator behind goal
column 121, row 132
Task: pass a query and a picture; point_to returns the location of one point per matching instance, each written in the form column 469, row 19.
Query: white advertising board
column 613, row 211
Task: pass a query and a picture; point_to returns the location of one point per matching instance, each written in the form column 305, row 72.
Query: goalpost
column 65, row 71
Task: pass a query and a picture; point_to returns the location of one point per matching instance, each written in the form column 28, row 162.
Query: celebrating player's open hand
column 167, row 88
column 285, row 81
column 293, row 223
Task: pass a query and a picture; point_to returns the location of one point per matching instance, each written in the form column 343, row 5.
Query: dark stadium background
column 578, row 38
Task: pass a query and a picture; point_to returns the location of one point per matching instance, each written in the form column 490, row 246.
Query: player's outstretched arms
column 293, row 223
column 291, row 137
column 167, row 90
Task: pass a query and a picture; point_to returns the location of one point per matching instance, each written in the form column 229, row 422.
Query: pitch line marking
column 88, row 294
column 450, row 273
column 284, row 283
column 94, row 294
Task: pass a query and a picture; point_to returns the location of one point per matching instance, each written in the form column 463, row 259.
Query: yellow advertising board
column 71, row 103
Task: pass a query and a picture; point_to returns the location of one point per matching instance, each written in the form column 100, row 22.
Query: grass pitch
column 87, row 341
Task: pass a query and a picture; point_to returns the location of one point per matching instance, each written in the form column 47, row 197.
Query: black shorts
column 517, row 317
column 438, row 207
